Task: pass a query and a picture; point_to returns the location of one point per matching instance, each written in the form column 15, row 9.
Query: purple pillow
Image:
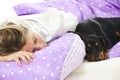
column 115, row 51
column 54, row 62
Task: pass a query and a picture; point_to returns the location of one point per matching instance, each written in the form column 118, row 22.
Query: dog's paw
column 101, row 56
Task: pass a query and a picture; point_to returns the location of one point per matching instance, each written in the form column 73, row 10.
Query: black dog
column 99, row 35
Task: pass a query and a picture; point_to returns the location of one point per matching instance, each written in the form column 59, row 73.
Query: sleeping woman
column 21, row 37
column 42, row 42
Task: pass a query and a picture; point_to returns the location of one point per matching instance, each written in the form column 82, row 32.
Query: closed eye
column 34, row 39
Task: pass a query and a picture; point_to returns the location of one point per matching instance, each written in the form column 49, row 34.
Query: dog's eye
column 97, row 43
column 88, row 45
column 118, row 34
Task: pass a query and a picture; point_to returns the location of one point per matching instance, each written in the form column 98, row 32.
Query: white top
column 49, row 24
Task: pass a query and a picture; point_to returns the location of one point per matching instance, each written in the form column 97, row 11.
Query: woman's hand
column 27, row 57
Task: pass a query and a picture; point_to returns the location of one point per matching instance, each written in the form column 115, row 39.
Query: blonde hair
column 12, row 38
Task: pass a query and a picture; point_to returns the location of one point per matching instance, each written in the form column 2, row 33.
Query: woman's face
column 33, row 43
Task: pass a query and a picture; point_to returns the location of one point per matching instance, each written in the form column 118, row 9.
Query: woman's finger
column 29, row 57
column 25, row 60
column 18, row 61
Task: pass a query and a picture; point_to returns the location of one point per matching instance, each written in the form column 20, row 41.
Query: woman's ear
column 10, row 23
column 6, row 23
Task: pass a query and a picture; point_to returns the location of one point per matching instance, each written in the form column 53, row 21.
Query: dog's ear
column 105, row 42
column 102, row 40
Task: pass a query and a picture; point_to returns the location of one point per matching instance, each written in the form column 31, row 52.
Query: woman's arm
column 27, row 57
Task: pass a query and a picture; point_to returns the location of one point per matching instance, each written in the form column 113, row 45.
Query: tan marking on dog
column 97, row 43
column 90, row 57
column 103, row 55
column 89, row 46
column 118, row 34
column 106, row 55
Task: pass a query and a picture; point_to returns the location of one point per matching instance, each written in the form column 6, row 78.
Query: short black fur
column 99, row 35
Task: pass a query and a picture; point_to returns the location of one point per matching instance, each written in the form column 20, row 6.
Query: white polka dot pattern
column 83, row 9
column 115, row 51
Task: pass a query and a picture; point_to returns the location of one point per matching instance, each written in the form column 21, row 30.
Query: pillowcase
column 115, row 51
column 55, row 62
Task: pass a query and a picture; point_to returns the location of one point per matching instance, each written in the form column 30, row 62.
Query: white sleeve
column 57, row 22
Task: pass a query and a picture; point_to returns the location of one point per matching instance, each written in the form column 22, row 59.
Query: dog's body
column 99, row 35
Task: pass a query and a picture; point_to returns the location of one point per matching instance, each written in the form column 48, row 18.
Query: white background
column 6, row 7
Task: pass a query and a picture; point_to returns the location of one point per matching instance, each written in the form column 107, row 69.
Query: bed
column 83, row 70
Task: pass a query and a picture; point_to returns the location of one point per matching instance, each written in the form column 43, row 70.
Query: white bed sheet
column 102, row 70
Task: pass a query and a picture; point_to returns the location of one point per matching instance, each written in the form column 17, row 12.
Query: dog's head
column 95, row 48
